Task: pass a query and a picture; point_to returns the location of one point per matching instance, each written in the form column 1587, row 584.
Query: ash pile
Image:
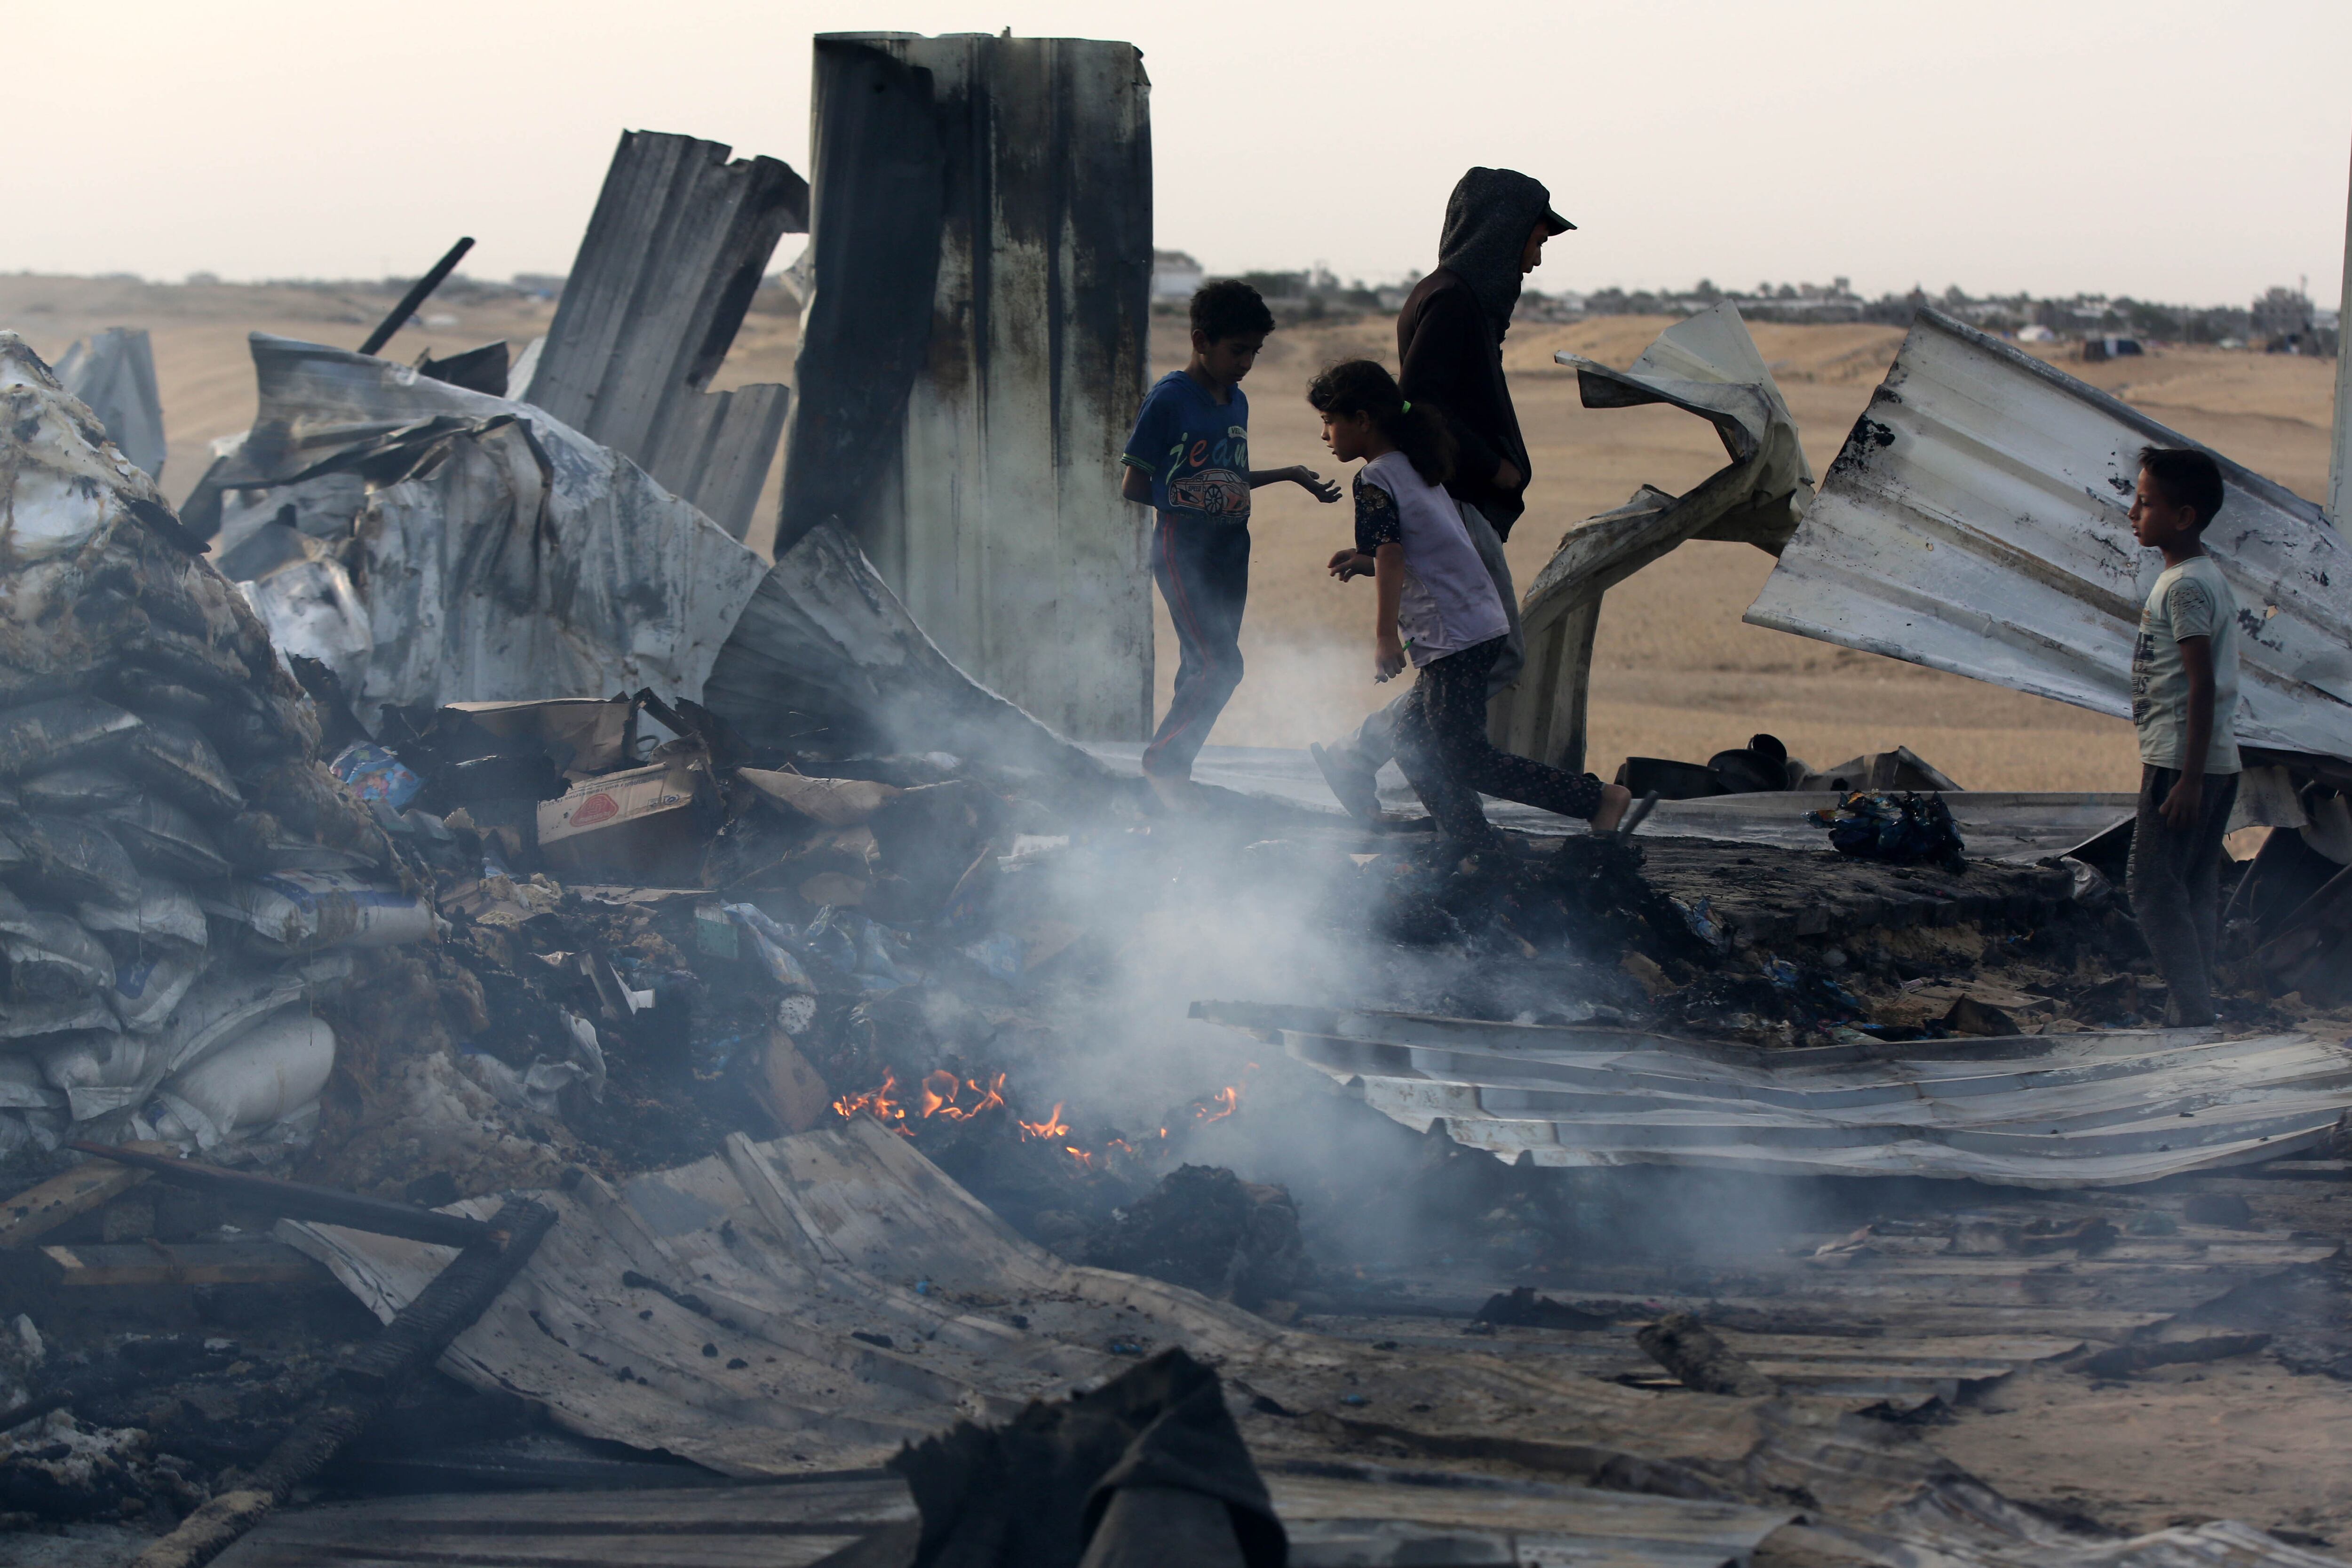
column 184, row 886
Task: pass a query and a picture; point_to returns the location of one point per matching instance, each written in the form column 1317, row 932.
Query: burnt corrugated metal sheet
column 1976, row 523
column 2093, row 1109
column 666, row 269
column 1706, row 365
column 995, row 193
column 498, row 552
column 114, row 373
column 823, row 645
column 1338, row 1516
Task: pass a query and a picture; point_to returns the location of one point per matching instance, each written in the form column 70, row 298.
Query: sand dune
column 1676, row 672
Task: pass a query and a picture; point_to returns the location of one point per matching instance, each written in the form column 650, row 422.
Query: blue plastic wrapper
column 375, row 773
column 1903, row 828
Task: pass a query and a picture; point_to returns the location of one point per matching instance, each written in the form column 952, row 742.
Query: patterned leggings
column 1442, row 748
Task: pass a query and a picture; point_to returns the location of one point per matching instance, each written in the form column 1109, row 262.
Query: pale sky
column 2173, row 151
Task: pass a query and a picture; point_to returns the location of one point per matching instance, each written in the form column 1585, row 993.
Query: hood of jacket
column 1488, row 221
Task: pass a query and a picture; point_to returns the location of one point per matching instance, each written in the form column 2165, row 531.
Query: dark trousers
column 2174, row 884
column 1202, row 570
column 1441, row 745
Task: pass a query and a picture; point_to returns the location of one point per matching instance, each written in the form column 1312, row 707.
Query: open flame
column 877, row 1103
column 1051, row 1127
column 941, row 1089
column 942, row 1094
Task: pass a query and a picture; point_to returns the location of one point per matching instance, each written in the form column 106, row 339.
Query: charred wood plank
column 367, row 1386
column 152, row 1263
column 1687, row 1348
column 297, row 1200
column 38, row 1210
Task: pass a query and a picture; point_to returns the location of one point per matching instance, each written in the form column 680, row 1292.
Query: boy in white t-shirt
column 2184, row 687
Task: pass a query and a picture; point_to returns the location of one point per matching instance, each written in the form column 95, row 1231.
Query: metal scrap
column 114, row 373
column 1976, row 521
column 666, row 269
column 1705, row 365
column 2096, row 1109
column 973, row 352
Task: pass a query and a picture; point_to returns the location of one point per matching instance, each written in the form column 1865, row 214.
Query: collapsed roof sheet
column 493, row 550
column 1976, row 523
column 1337, row 1516
column 794, row 1307
column 2093, row 1109
column 854, row 1298
column 1706, row 365
column 665, row 272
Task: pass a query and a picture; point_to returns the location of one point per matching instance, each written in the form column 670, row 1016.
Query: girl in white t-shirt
column 1437, row 608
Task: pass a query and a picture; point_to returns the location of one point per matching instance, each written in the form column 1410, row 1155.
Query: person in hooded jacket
column 1449, row 356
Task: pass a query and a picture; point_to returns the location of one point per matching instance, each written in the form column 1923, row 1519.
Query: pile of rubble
column 182, row 880
column 448, row 882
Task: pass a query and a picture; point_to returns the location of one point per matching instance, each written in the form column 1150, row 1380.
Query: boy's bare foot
column 1614, row 799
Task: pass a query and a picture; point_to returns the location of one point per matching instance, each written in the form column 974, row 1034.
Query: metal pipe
column 1636, row 814
column 415, row 296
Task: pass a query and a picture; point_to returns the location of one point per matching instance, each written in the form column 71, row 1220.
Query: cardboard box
column 645, row 827
column 582, row 735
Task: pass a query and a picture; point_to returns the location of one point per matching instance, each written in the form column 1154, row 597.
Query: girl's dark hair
column 1365, row 386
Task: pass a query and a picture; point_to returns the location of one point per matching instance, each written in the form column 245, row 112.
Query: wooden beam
column 379, row 1217
column 153, row 1263
column 38, row 1210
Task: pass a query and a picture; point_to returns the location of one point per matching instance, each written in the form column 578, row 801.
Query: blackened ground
column 1206, row 1228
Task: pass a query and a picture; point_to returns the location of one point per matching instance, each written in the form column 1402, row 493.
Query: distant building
column 1175, row 275
column 1537, row 306
column 2284, row 320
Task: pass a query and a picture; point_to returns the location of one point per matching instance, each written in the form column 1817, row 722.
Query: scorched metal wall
column 1976, row 521
column 995, row 514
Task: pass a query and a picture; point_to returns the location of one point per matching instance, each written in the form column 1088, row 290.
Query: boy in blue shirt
column 1189, row 456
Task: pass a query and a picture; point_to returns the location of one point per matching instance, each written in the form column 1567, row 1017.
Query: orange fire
column 940, row 1094
column 941, row 1089
column 1051, row 1127
column 877, row 1103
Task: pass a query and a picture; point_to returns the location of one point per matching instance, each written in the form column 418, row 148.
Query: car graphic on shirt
column 1211, row 492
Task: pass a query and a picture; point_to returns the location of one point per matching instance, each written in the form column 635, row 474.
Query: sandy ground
column 1677, row 674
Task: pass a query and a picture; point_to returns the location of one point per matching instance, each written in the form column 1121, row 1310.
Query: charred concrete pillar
column 974, row 353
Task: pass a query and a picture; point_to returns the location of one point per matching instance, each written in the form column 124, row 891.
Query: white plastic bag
column 50, row 957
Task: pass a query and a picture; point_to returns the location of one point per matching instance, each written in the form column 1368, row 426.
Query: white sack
column 276, row 1069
